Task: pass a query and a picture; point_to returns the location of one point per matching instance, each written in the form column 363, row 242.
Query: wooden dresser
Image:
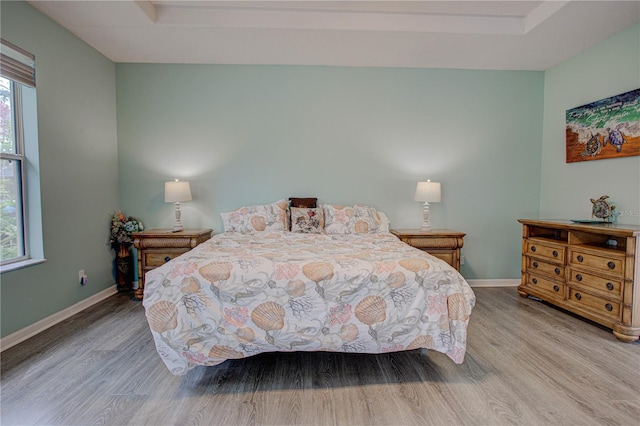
column 444, row 244
column 590, row 270
column 158, row 246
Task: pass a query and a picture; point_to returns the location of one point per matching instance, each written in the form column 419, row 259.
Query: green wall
column 610, row 68
column 78, row 165
column 254, row 134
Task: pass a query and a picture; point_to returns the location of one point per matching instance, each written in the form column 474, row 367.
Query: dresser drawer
column 546, row 268
column 599, row 305
column 542, row 250
column 607, row 286
column 607, row 263
column 157, row 258
column 541, row 283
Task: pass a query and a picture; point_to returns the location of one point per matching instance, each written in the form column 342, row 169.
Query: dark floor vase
column 124, row 267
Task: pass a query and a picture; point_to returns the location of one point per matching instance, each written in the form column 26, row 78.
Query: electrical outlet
column 461, row 260
column 82, row 278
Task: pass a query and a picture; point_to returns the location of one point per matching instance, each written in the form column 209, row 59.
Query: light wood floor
column 527, row 363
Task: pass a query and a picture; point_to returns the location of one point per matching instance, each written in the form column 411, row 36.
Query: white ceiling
column 513, row 35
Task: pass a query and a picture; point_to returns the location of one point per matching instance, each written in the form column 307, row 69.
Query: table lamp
column 428, row 192
column 175, row 192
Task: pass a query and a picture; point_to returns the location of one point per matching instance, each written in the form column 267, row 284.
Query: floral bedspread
column 238, row 295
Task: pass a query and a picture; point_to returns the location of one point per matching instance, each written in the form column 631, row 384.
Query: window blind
column 17, row 64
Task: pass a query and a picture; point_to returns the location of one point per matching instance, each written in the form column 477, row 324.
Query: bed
column 260, row 287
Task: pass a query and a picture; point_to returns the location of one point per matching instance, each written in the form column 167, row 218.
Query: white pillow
column 259, row 218
column 385, row 223
column 351, row 220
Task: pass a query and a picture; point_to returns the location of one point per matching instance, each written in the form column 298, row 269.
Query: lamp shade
column 176, row 191
column 428, row 191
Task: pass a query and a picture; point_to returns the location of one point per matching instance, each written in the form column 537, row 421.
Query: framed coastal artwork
column 608, row 128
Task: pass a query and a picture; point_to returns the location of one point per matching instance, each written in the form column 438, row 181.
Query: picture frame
column 608, row 128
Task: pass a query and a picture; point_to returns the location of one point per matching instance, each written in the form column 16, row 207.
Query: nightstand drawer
column 155, row 259
column 164, row 241
column 447, row 256
column 433, row 243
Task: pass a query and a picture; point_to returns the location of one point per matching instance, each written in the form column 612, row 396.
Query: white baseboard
column 38, row 327
column 494, row 283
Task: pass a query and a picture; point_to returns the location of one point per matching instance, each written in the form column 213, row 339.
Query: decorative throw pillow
column 260, row 218
column 309, row 203
column 307, row 220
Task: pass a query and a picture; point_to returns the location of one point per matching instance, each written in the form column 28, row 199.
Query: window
column 18, row 159
column 11, row 223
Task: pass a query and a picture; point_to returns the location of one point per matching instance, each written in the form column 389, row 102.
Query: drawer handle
column 533, row 249
column 578, row 296
column 578, row 277
column 535, row 281
column 557, row 271
column 611, row 265
column 166, row 259
column 556, row 288
column 609, row 307
column 609, row 286
column 555, row 253
column 580, row 258
column 535, row 264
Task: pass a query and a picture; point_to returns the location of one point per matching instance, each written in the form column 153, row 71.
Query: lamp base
column 177, row 227
column 426, row 227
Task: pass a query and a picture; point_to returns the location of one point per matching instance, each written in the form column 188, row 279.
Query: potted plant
column 121, row 241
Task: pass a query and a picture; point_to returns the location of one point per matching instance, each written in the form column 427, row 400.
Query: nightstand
column 158, row 246
column 444, row 244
